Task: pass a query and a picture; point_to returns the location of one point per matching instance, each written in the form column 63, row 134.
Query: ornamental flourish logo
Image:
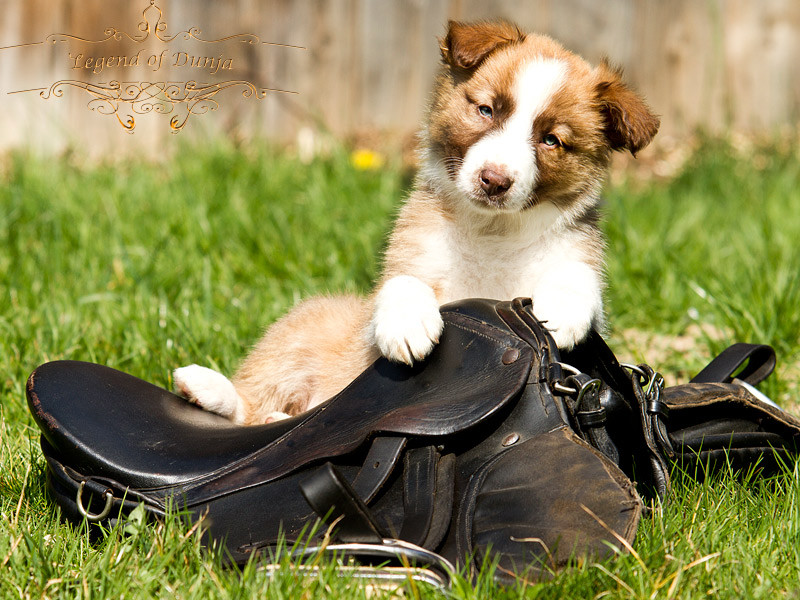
column 156, row 50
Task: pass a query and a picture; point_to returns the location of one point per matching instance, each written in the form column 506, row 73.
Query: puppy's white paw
column 567, row 321
column 210, row 390
column 406, row 323
column 567, row 336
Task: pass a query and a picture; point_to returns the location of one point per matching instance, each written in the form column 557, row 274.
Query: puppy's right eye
column 485, row 111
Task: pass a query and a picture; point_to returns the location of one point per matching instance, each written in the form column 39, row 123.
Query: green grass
column 145, row 269
column 717, row 245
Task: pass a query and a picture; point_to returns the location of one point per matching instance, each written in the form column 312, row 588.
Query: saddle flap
column 547, row 501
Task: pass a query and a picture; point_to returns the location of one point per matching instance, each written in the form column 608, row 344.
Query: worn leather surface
column 462, row 383
column 103, row 421
column 467, row 453
column 545, row 501
column 717, row 424
column 108, row 423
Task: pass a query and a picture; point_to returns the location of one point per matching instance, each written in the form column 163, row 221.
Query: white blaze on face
column 510, row 148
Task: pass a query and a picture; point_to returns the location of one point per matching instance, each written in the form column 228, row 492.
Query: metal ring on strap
column 560, row 387
column 591, row 385
column 567, row 367
column 109, row 496
column 564, row 389
column 644, row 378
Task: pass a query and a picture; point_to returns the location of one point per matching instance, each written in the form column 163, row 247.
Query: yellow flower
column 366, row 160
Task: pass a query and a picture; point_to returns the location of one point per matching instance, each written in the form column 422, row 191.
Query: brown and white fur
column 514, row 151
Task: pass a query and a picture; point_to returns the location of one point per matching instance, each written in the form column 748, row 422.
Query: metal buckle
column 109, row 496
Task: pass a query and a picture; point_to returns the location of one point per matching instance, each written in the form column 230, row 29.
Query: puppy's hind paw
column 210, row 390
column 276, row 416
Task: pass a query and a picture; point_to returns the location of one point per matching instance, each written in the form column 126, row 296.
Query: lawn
column 146, row 268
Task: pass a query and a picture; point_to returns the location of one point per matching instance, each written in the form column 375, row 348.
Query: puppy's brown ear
column 466, row 45
column 630, row 125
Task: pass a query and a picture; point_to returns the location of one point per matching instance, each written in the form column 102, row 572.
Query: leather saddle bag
column 496, row 447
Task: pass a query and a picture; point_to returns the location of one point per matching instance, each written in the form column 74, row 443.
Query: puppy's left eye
column 551, row 140
column 485, row 110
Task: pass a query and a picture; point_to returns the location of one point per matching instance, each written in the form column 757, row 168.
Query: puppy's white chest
column 494, row 269
column 501, row 264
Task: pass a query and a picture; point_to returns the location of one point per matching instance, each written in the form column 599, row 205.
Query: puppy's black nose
column 494, row 182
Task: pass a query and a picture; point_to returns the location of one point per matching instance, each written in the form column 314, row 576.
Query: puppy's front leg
column 406, row 323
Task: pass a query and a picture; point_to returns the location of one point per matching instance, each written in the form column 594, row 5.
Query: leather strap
column 427, row 496
column 419, row 485
column 760, row 360
column 591, row 416
column 656, row 440
column 442, row 501
column 333, row 498
column 658, row 412
column 378, row 465
column 427, row 499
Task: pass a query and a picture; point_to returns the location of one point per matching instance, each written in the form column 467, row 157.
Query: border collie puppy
column 514, row 150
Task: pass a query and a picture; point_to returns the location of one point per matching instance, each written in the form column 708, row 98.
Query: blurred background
column 364, row 68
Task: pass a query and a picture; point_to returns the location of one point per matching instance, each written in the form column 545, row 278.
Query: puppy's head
column 517, row 120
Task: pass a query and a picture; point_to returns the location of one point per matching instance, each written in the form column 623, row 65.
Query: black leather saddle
column 495, row 447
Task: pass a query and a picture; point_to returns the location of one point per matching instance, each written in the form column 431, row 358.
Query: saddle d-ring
column 109, row 496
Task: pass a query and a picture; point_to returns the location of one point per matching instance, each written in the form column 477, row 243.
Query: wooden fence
column 363, row 66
